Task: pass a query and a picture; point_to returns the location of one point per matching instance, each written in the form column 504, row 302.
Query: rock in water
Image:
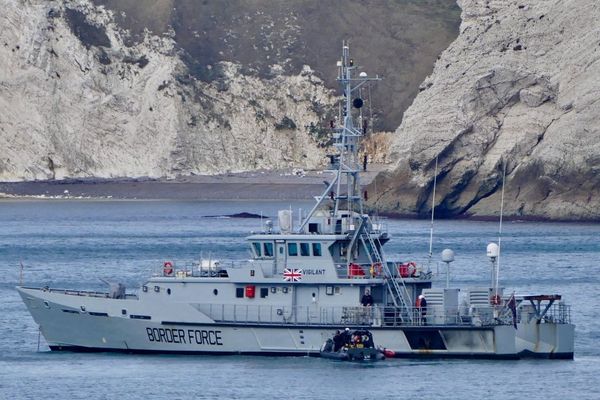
column 520, row 86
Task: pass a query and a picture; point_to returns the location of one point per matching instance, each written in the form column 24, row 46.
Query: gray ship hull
column 67, row 322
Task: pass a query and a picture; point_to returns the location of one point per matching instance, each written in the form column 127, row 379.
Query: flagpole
column 21, row 274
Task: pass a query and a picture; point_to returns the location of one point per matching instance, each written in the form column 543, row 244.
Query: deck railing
column 377, row 315
column 84, row 293
column 367, row 316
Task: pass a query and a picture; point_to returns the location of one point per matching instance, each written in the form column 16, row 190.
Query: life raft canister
column 355, row 270
column 168, row 268
column 408, row 269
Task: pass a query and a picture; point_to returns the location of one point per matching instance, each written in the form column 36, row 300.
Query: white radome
column 492, row 250
column 447, row 255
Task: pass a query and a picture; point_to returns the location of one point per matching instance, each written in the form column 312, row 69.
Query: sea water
column 75, row 244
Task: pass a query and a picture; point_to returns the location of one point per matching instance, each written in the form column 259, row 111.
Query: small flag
column 512, row 305
column 292, row 274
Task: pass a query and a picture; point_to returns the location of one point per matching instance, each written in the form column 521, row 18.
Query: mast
column 432, row 212
column 345, row 189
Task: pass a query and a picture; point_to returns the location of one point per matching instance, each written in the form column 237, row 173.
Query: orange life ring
column 168, row 268
column 412, row 268
column 376, row 269
column 495, row 299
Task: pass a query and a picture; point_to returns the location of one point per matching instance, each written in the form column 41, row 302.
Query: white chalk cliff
column 75, row 101
column 519, row 87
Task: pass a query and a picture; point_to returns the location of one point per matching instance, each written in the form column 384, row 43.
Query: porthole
column 215, row 292
column 46, row 304
column 144, row 288
column 157, row 289
column 169, row 291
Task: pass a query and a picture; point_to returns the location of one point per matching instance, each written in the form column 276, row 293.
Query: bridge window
column 338, row 226
column 268, row 249
column 304, row 249
column 264, row 292
column 239, row 292
column 292, row 249
column 317, row 249
column 256, row 246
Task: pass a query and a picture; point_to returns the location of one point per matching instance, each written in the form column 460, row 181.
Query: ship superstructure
column 303, row 283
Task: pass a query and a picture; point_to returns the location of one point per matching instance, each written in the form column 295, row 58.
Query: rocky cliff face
column 106, row 88
column 518, row 89
column 76, row 101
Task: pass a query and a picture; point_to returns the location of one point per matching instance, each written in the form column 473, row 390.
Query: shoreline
column 486, row 218
column 248, row 186
column 159, row 191
column 259, row 185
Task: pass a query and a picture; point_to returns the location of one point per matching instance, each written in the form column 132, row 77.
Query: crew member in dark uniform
column 422, row 307
column 367, row 299
column 338, row 341
column 346, row 337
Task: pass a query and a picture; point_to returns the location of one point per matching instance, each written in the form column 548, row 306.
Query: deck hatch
column 425, row 339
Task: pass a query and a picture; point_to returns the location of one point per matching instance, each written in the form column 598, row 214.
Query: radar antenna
column 344, row 189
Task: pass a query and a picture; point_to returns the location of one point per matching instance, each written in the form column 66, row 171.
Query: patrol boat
column 303, row 284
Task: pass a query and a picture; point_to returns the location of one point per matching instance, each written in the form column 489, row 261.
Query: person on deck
column 422, row 308
column 347, row 337
column 338, row 341
column 367, row 299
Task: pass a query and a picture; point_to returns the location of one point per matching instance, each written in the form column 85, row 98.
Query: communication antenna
column 370, row 112
column 500, row 225
column 346, row 135
column 432, row 212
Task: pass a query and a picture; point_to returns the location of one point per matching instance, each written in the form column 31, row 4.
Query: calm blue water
column 73, row 244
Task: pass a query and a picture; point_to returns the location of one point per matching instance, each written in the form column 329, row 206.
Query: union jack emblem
column 292, row 274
